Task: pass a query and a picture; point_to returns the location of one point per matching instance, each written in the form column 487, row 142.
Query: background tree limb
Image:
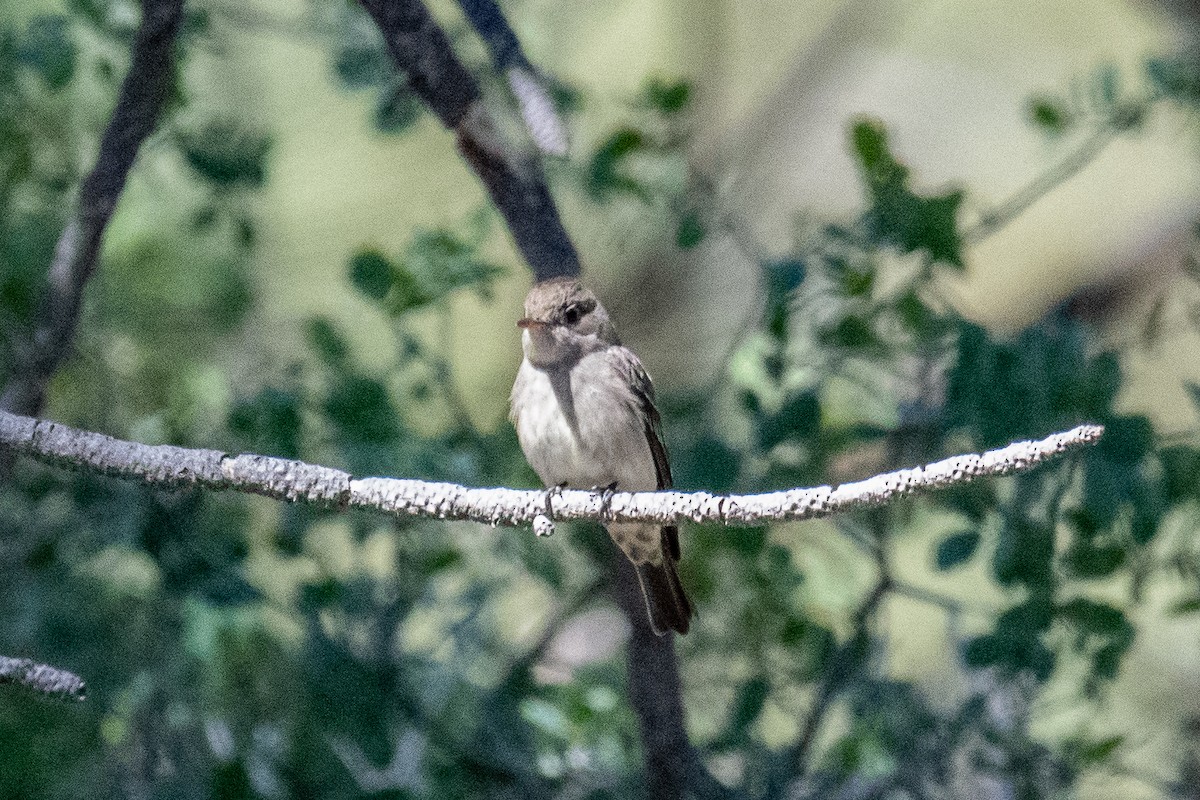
column 144, row 92
column 421, row 50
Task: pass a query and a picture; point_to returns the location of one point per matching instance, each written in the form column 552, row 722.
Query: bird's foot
column 551, row 493
column 606, row 495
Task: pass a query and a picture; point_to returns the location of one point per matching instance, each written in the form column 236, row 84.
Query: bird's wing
column 630, row 368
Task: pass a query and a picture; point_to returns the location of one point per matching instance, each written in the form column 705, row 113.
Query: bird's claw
column 552, row 492
column 606, row 495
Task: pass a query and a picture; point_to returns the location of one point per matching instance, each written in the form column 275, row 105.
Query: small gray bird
column 584, row 411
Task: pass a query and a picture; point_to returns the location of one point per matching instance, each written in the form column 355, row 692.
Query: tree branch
column 143, row 93
column 843, row 666
column 516, row 184
column 541, row 119
column 42, row 678
column 167, row 466
column 673, row 767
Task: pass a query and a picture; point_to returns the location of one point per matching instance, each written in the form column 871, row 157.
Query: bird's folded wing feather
column 627, row 364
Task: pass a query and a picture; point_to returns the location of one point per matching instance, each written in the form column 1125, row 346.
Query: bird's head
column 563, row 322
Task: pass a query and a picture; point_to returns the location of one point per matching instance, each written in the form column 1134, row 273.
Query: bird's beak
column 534, row 324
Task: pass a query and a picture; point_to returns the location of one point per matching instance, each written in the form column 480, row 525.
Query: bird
column 583, row 407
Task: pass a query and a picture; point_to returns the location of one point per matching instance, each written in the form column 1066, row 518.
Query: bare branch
column 515, row 182
column 845, row 663
column 541, row 119
column 42, row 678
column 545, row 126
column 168, row 466
column 143, row 94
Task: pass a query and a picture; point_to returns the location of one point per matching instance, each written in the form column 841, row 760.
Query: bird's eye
column 572, row 314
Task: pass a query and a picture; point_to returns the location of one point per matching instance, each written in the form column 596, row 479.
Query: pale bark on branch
column 42, row 678
column 168, row 466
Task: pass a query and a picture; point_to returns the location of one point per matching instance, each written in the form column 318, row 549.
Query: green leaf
column 869, row 140
column 1108, row 85
column 748, row 705
column 1101, row 384
column 360, row 65
column 1193, row 391
column 897, row 216
column 690, row 231
column 668, row 98
column 1095, row 619
column 919, row 318
column 1086, row 753
column 1177, row 78
column 49, row 49
column 362, row 409
column 749, row 542
column 226, row 153
column 1106, row 663
column 541, row 562
column 956, row 549
column 398, row 109
column 1024, row 554
column 1188, row 605
column 1090, row 561
column 604, row 176
column 438, row 262
column 371, row 273
column 1049, row 114
column 799, row 418
column 326, row 341
column 982, row 651
column 270, row 422
column 784, row 276
column 852, row 332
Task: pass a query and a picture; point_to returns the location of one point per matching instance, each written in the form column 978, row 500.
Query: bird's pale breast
column 588, row 432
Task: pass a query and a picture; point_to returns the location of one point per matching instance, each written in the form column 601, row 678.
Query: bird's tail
column 665, row 600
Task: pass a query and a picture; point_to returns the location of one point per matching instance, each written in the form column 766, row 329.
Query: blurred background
column 844, row 237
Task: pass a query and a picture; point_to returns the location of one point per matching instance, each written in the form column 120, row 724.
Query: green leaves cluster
column 435, row 264
column 896, row 215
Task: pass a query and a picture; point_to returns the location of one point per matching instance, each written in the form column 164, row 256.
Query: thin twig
column 843, row 665
column 996, row 218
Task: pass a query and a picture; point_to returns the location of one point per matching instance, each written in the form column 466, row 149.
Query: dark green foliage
column 398, row 109
column 605, row 177
column 360, row 65
column 690, row 232
column 1177, row 78
column 371, row 274
column 799, row 417
column 898, row 216
column 226, row 153
column 667, row 98
column 49, row 50
column 1049, row 114
column 957, row 549
column 435, row 264
column 269, row 422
